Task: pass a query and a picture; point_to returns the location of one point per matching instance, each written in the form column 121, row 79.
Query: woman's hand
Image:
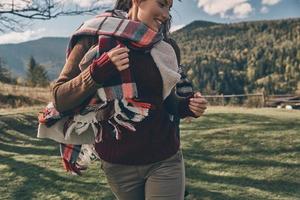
column 119, row 57
column 197, row 104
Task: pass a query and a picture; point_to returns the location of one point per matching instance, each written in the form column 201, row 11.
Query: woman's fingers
column 120, row 57
column 124, row 61
column 122, row 67
column 198, row 100
column 123, row 55
column 114, row 56
column 197, row 104
column 196, row 111
column 119, row 51
column 197, row 94
column 197, row 107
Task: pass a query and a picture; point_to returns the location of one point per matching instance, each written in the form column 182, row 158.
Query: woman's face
column 154, row 13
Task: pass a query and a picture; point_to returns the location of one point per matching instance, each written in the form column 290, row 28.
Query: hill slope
column 221, row 58
column 47, row 51
column 243, row 57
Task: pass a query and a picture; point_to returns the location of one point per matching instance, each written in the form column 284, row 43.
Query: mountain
column 246, row 57
column 235, row 58
column 49, row 52
column 198, row 24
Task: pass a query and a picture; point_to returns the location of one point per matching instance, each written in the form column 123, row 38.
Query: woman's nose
column 166, row 14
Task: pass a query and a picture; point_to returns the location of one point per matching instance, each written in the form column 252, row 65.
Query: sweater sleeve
column 102, row 69
column 73, row 87
column 178, row 106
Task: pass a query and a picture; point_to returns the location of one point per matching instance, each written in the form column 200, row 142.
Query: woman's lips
column 158, row 23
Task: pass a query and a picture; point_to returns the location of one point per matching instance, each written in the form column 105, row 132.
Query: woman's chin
column 153, row 28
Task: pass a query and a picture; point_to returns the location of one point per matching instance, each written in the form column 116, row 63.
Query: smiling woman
column 118, row 84
column 152, row 13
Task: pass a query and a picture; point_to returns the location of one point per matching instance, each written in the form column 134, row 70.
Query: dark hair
column 176, row 48
column 166, row 27
column 124, row 5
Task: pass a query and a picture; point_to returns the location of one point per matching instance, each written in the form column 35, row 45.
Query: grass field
column 14, row 96
column 230, row 153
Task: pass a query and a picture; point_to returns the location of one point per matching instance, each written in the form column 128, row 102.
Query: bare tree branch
column 12, row 11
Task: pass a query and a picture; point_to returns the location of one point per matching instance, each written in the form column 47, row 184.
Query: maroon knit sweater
column 155, row 138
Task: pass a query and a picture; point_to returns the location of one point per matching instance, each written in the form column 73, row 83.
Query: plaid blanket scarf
column 119, row 93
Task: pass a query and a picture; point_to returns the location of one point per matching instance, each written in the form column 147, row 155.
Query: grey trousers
column 164, row 180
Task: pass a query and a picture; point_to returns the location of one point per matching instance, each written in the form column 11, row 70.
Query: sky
column 183, row 13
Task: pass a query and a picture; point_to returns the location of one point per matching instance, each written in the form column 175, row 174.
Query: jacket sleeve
column 73, row 87
column 178, row 106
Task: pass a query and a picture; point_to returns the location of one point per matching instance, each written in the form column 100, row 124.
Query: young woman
column 123, row 59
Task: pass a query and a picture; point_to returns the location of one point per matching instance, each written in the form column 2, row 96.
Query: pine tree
column 36, row 74
column 5, row 75
column 30, row 73
column 41, row 76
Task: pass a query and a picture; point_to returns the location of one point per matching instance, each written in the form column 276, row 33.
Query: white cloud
column 226, row 8
column 87, row 3
column 264, row 10
column 176, row 27
column 270, row 2
column 19, row 4
column 242, row 10
column 17, row 37
column 266, row 3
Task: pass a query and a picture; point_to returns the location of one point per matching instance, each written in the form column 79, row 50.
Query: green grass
column 230, row 153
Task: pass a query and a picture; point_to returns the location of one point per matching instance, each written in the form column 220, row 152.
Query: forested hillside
column 235, row 58
column 243, row 57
